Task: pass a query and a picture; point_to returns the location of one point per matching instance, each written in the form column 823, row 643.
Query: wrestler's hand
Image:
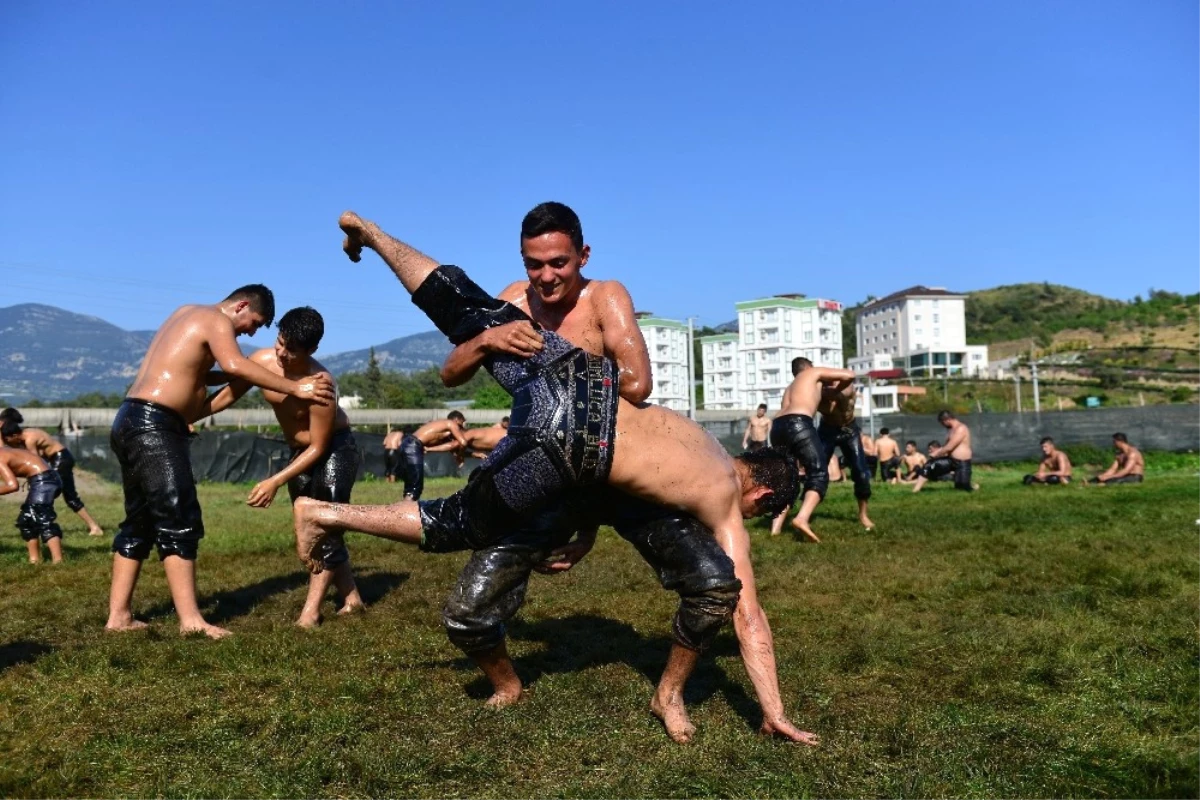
column 263, row 494
column 515, row 338
column 316, row 388
column 563, row 558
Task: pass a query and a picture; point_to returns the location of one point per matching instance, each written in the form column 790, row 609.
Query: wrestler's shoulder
column 515, row 293
column 605, row 289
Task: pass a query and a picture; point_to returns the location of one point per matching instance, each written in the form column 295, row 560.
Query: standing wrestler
column 1055, row 468
column 887, row 452
column 1128, row 467
column 794, row 432
column 325, row 458
column 565, row 420
column 840, row 431
column 57, row 456
column 438, row 436
column 871, row 453
column 758, row 428
column 952, row 458
column 36, row 520
column 391, row 460
column 150, row 438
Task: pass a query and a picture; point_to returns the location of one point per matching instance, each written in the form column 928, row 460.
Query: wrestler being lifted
column 150, row 438
column 325, row 457
column 839, row 430
column 568, row 381
column 793, row 431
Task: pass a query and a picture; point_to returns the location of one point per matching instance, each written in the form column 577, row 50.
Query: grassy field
column 1018, row 642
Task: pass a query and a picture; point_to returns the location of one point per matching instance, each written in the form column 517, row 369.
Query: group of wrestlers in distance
column 581, row 449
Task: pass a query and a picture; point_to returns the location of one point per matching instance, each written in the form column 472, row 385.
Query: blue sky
column 153, row 153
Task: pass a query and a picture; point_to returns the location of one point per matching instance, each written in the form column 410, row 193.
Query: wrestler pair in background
column 574, row 423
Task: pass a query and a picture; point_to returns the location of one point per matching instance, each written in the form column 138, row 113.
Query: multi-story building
column 667, row 343
column 755, row 365
column 921, row 330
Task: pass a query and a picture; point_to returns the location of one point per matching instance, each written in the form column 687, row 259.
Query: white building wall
column 666, row 342
column 770, row 336
column 723, row 387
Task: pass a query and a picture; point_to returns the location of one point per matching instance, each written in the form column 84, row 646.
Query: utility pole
column 1017, row 378
column 871, row 403
column 1037, row 400
column 691, row 369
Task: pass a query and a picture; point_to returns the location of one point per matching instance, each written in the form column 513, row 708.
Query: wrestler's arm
column 320, row 432
column 563, row 558
column 517, row 338
column 1131, row 463
column 229, row 394
column 1111, row 472
column 746, row 435
column 8, row 480
column 623, row 340
column 223, row 345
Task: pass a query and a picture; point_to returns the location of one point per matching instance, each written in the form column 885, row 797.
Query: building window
column 935, row 316
column 916, row 317
column 808, row 335
column 937, row 332
column 749, row 337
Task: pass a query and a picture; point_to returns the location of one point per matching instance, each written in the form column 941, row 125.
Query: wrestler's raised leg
column 411, row 266
column 506, row 686
column 314, row 520
column 120, row 598
column 667, row 703
column 181, row 580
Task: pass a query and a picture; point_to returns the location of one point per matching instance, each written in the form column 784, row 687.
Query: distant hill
column 406, row 354
column 52, row 354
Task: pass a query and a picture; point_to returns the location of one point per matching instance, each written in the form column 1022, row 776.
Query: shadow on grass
column 374, row 585
column 21, row 652
column 581, row 641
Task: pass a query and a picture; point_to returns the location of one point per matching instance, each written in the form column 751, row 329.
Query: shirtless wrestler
column 887, row 451
column 564, row 421
column 57, row 456
column 793, row 431
column 758, row 428
column 913, row 460
column 391, row 460
column 325, row 457
column 871, row 453
column 150, row 438
column 1055, row 467
column 684, row 555
column 840, row 431
column 1129, row 466
column 36, row 519
column 438, row 436
column 952, row 458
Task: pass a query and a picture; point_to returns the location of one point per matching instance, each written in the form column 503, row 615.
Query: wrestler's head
column 1047, row 446
column 10, row 432
column 932, row 446
column 458, row 417
column 250, row 307
column 883, row 431
column 300, row 332
column 799, row 365
column 946, row 419
column 554, row 253
column 13, row 414
column 762, row 409
column 504, row 423
column 1120, row 442
column 910, row 447
column 770, row 481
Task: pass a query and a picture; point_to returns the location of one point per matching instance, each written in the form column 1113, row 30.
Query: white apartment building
column 755, row 365
column 921, row 330
column 667, row 343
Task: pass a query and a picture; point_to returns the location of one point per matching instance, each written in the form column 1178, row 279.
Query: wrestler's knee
column 471, row 627
column 75, row 504
column 132, row 546
column 50, row 531
column 334, row 552
column 184, row 544
column 702, row 615
column 817, row 481
column 1029, row 480
column 862, row 486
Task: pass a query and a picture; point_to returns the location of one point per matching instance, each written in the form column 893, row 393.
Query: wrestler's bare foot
column 353, row 225
column 309, row 533
column 97, row 531
column 866, row 522
column 805, row 530
column 504, row 699
column 674, row 718
column 786, row 730
column 124, row 624
column 208, row 629
column 352, row 608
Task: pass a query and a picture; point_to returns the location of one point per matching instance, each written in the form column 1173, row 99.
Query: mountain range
column 50, row 354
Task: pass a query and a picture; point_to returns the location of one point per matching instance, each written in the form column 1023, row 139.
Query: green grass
column 1019, row 642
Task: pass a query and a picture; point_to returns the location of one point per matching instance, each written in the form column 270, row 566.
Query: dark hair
column 763, row 406
column 799, row 364
column 914, row 444
column 11, row 413
column 883, row 431
column 262, row 300
column 1120, row 437
column 934, row 443
column 944, row 415
column 1046, row 440
column 504, row 420
column 457, row 416
column 302, row 328
column 10, row 428
column 553, row 218
column 774, row 470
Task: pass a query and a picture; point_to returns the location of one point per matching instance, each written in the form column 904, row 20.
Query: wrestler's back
column 173, row 371
column 23, row 463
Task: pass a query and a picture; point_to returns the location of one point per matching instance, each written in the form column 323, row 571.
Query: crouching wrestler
column 36, row 521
